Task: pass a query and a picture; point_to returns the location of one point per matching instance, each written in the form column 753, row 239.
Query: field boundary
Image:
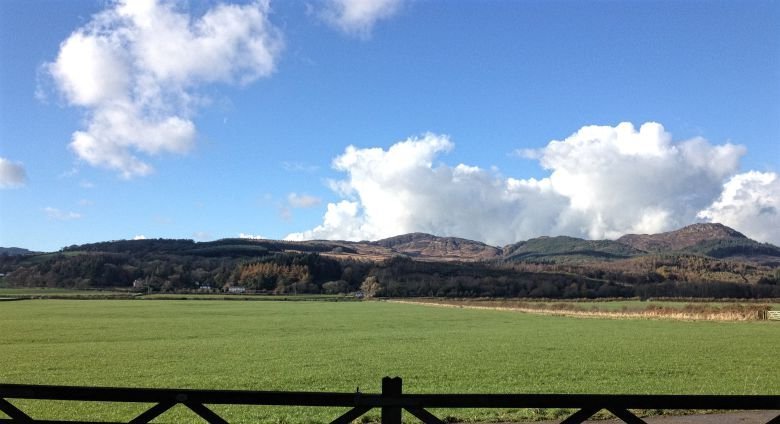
column 391, row 401
column 619, row 314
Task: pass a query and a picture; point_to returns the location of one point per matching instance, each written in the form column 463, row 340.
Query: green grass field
column 338, row 346
column 260, row 297
column 58, row 292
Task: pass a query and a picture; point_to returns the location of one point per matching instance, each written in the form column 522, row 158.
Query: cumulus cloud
column 621, row 180
column 603, row 182
column 358, row 17
column 12, row 175
column 60, row 215
column 136, row 69
column 251, row 236
column 304, row 200
column 402, row 189
column 750, row 202
column 139, row 237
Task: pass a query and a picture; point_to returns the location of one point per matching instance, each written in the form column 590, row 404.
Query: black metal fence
column 392, row 401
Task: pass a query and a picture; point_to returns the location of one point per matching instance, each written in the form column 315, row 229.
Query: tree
column 335, row 287
column 370, row 287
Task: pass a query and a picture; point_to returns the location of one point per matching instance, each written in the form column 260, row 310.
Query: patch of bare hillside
column 426, row 246
column 680, row 239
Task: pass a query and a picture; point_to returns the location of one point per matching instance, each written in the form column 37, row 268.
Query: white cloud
column 620, row 179
column 12, row 175
column 136, row 69
column 401, row 189
column 603, row 182
column 750, row 202
column 251, row 236
column 60, row 215
column 139, row 237
column 202, row 236
column 358, row 17
column 304, row 200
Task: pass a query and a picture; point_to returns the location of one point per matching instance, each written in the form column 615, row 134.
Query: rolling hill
column 421, row 245
column 680, row 239
column 699, row 260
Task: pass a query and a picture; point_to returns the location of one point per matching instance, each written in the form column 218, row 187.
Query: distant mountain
column 15, row 251
column 714, row 240
column 568, row 249
column 421, row 245
column 703, row 260
column 680, row 239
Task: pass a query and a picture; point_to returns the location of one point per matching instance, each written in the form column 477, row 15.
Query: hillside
column 564, row 249
column 704, row 260
column 713, row 240
column 420, row 245
column 15, row 251
column 680, row 239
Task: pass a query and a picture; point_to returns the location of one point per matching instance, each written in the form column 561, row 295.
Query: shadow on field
column 742, row 417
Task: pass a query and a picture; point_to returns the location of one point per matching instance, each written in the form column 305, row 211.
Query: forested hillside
column 727, row 265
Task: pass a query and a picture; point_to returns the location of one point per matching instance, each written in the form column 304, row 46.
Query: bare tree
column 370, row 287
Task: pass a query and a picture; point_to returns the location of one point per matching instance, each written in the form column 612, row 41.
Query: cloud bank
column 750, row 202
column 604, row 182
column 358, row 17
column 12, row 175
column 136, row 68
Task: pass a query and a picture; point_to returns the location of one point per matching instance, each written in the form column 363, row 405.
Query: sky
column 494, row 120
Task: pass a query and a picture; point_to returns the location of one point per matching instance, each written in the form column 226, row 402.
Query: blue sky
column 451, row 108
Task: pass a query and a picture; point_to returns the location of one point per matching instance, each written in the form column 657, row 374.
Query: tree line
column 158, row 268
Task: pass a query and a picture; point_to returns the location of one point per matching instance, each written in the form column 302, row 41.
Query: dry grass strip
column 690, row 312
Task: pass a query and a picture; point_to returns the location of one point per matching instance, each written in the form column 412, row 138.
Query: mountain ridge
column 712, row 261
column 681, row 238
column 708, row 239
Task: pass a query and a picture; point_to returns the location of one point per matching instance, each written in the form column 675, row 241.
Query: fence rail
column 391, row 401
column 773, row 315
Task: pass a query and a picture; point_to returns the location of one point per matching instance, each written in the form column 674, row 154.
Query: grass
column 59, row 292
column 338, row 346
column 261, row 297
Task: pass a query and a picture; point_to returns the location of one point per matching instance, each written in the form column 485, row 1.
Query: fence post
column 391, row 387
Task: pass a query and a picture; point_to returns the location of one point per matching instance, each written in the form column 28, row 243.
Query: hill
column 421, row 245
column 15, row 251
column 564, row 249
column 704, row 260
column 713, row 240
column 680, row 239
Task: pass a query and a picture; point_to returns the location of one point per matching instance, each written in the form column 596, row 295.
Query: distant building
column 236, row 289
